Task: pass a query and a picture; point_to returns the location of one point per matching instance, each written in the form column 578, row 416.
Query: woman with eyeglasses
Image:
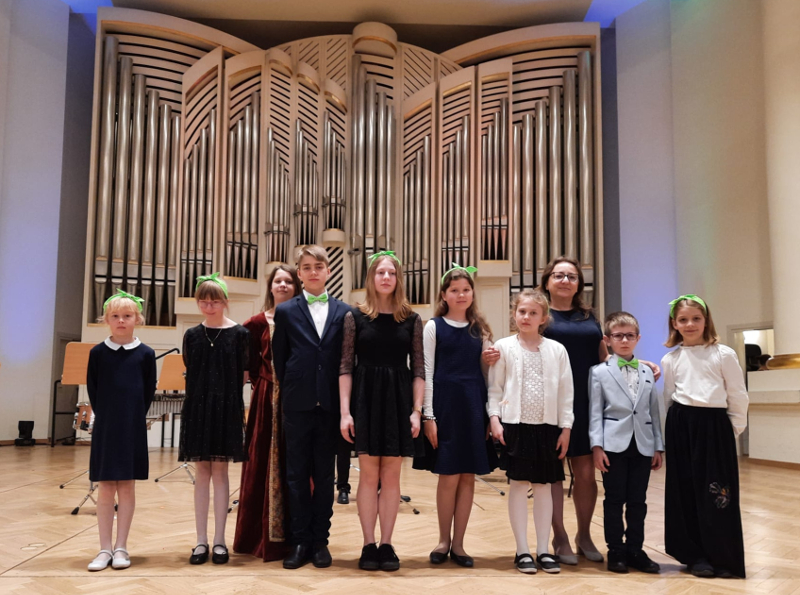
column 573, row 324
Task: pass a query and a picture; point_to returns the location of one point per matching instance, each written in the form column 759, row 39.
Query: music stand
column 173, row 378
column 76, row 362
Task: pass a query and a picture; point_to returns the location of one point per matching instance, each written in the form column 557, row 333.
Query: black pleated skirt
column 530, row 453
column 701, row 508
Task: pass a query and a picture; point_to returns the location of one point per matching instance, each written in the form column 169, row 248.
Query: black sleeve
column 91, row 379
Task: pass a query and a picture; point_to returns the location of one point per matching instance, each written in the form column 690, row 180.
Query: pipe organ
column 212, row 154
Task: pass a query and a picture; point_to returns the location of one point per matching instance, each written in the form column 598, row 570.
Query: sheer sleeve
column 417, row 351
column 348, row 345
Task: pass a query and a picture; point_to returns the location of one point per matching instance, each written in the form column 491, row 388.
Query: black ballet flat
column 438, row 557
column 199, row 558
column 220, row 558
column 464, row 561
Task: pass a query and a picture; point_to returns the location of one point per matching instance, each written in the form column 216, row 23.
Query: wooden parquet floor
column 44, row 549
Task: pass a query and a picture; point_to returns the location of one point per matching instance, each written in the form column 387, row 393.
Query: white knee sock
column 542, row 515
column 518, row 513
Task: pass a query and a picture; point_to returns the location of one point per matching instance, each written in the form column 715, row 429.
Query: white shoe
column 101, row 561
column 122, row 561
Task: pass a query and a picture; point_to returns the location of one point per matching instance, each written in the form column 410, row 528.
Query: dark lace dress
column 212, row 419
column 377, row 353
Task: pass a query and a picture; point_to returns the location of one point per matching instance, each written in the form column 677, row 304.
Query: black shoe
column 617, row 562
column 369, row 557
column 723, row 573
column 297, row 557
column 438, row 557
column 321, row 558
column 525, row 563
column 548, row 563
column 344, row 497
column 702, row 569
column 219, row 557
column 201, row 558
column 641, row 562
column 387, row 558
column 465, row 561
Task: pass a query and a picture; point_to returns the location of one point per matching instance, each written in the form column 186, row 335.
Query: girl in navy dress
column 215, row 353
column 121, row 380
column 454, row 409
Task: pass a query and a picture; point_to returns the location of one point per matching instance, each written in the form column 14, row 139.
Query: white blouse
column 707, row 376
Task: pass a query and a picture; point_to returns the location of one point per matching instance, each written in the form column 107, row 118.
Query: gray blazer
column 613, row 419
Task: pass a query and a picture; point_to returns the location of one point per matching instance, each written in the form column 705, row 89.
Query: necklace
column 205, row 330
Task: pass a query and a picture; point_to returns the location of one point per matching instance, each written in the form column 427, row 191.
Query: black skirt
column 701, row 502
column 530, row 453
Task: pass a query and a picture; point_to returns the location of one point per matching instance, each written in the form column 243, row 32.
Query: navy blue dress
column 581, row 338
column 459, row 403
column 121, row 384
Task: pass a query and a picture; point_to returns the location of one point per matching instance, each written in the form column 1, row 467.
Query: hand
column 658, row 460
column 431, row 433
column 600, row 459
column 490, row 356
column 415, row 417
column 563, row 443
column 497, row 429
column 347, row 428
column 652, row 366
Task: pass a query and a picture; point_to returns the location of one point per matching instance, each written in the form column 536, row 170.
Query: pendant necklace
column 205, row 329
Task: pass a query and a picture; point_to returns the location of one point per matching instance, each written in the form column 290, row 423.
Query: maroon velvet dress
column 260, row 525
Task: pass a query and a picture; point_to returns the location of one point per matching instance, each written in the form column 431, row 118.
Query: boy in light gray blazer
column 625, row 434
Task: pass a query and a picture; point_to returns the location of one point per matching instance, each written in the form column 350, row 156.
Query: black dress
column 377, row 353
column 581, row 338
column 459, row 404
column 212, row 419
column 121, row 384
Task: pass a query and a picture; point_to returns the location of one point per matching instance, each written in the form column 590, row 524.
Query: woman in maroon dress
column 260, row 526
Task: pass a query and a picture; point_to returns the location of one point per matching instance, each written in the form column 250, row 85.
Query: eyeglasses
column 572, row 277
column 621, row 336
column 211, row 303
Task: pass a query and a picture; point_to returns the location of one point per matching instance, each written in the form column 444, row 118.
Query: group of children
column 391, row 406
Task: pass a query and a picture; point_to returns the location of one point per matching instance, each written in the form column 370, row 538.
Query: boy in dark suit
column 307, row 347
column 625, row 434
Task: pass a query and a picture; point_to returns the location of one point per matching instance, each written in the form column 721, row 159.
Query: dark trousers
column 310, row 450
column 625, row 483
column 343, row 463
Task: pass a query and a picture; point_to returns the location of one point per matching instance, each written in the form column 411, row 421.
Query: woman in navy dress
column 121, row 381
column 573, row 324
column 454, row 409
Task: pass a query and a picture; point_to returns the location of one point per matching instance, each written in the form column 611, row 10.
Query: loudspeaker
column 25, row 434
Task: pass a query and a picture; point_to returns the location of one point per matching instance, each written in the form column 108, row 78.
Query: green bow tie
column 634, row 363
column 322, row 299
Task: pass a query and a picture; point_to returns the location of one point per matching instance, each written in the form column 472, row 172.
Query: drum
column 84, row 419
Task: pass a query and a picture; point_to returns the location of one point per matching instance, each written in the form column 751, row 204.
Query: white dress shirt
column 631, row 376
column 707, row 376
column 319, row 312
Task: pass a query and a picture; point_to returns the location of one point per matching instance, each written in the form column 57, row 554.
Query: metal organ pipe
column 541, row 184
column 586, row 161
column 570, row 167
column 556, row 219
column 121, row 174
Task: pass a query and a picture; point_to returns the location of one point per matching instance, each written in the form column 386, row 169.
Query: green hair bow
column 373, row 257
column 213, row 277
column 457, row 267
column 124, row 294
column 688, row 296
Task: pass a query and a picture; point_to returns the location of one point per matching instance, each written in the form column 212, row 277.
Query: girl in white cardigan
column 530, row 411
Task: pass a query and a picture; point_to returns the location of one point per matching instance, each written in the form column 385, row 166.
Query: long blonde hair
column 401, row 309
column 710, row 336
column 478, row 327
